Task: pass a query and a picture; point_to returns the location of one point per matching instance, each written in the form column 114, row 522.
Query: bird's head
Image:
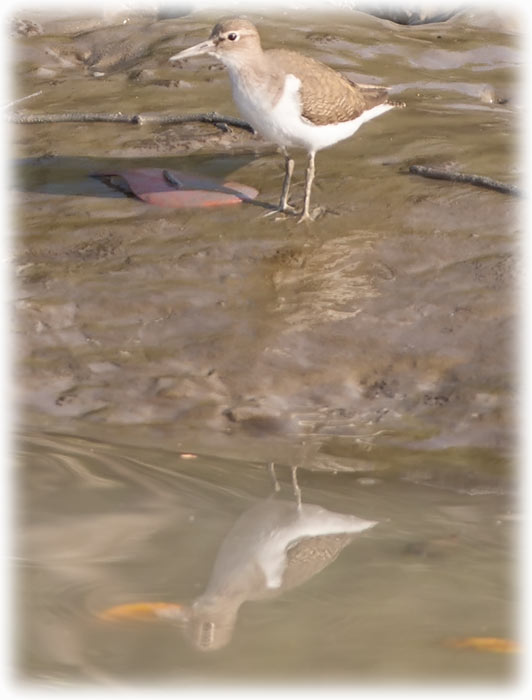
column 229, row 42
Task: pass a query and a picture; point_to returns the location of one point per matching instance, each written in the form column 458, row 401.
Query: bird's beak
column 206, row 47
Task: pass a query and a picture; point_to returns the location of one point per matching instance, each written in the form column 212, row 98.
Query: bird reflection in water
column 273, row 547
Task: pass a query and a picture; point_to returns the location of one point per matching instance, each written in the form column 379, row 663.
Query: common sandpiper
column 288, row 98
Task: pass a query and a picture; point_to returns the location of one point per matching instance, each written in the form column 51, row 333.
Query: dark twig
column 207, row 118
column 454, row 176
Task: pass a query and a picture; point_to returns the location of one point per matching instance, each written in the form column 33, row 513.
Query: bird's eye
column 233, row 36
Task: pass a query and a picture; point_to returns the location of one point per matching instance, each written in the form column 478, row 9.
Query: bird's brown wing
column 327, row 96
column 373, row 94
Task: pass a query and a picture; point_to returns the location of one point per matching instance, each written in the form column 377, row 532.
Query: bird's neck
column 256, row 80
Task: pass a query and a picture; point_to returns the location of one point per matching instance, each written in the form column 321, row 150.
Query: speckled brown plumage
column 326, row 96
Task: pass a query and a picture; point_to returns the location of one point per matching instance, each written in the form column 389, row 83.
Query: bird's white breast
column 282, row 123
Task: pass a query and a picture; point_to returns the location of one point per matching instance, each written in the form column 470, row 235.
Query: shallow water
column 105, row 524
column 373, row 348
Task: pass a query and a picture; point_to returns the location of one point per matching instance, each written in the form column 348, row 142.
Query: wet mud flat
column 394, row 312
column 377, row 342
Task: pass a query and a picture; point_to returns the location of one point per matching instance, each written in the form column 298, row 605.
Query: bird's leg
column 274, row 477
column 306, row 216
column 284, row 207
column 295, row 486
column 289, row 169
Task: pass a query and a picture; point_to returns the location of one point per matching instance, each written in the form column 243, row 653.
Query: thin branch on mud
column 454, row 176
column 22, row 99
column 87, row 117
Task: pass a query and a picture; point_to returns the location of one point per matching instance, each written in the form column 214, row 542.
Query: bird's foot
column 311, row 216
column 286, row 209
